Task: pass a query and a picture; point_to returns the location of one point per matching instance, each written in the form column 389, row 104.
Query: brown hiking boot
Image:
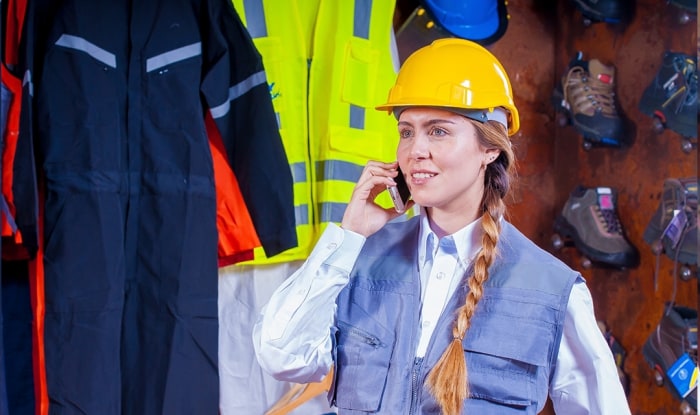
column 590, row 219
column 676, row 334
column 587, row 95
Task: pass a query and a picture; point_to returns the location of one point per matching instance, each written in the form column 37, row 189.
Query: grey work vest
column 511, row 347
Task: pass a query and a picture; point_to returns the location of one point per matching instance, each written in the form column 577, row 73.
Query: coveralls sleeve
column 292, row 337
column 236, row 93
column 585, row 379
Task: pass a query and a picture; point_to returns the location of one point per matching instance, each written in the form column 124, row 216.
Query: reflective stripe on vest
column 325, row 102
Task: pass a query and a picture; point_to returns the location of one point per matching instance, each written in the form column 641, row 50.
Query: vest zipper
column 417, row 364
column 313, row 174
column 366, row 337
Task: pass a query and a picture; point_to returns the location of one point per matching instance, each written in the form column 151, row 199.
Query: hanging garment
column 237, row 236
column 130, row 249
column 17, row 344
column 328, row 64
column 21, row 327
column 5, row 98
column 11, row 101
column 13, row 23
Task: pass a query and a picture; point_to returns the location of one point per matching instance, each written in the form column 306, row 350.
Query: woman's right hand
column 363, row 215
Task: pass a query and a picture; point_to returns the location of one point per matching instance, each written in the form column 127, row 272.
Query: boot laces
column 599, row 94
column 609, row 220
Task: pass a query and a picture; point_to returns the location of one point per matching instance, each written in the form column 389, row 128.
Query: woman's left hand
column 363, row 215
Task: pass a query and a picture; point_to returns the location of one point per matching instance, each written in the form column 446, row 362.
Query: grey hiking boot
column 674, row 227
column 676, row 334
column 672, row 97
column 587, row 95
column 589, row 218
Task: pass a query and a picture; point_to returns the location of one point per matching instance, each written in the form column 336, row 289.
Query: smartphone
column 399, row 193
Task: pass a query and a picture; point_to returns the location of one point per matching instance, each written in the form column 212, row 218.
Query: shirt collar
column 467, row 240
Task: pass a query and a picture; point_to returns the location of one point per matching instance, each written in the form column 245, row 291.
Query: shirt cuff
column 344, row 246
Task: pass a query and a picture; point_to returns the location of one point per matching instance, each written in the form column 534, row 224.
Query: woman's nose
column 419, row 148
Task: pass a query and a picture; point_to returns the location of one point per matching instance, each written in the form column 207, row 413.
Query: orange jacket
column 237, row 236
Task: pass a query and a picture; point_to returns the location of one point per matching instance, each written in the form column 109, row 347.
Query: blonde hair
column 448, row 381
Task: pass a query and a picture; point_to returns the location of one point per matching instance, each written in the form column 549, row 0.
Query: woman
column 453, row 311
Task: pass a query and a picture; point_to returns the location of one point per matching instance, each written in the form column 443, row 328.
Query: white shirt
column 292, row 337
column 442, row 264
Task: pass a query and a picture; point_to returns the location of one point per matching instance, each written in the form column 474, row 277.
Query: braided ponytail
column 448, row 380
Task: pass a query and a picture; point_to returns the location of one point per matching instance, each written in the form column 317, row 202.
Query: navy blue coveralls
column 120, row 89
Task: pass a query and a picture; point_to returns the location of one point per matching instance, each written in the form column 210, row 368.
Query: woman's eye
column 438, row 131
column 405, row 133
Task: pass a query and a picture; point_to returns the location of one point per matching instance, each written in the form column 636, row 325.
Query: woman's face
column 442, row 159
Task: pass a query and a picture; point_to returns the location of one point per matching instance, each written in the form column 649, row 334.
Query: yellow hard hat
column 457, row 74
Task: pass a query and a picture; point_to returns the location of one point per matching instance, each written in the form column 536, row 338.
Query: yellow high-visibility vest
column 328, row 64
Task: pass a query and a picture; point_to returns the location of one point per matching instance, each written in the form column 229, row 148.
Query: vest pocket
column 360, row 73
column 363, row 356
column 503, row 364
column 356, row 145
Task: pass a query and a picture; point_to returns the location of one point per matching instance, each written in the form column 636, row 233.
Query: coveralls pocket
column 172, row 89
column 363, row 357
column 79, row 116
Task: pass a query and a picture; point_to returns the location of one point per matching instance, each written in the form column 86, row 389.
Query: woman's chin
column 423, row 202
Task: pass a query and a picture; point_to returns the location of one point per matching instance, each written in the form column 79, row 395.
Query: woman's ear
column 491, row 155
